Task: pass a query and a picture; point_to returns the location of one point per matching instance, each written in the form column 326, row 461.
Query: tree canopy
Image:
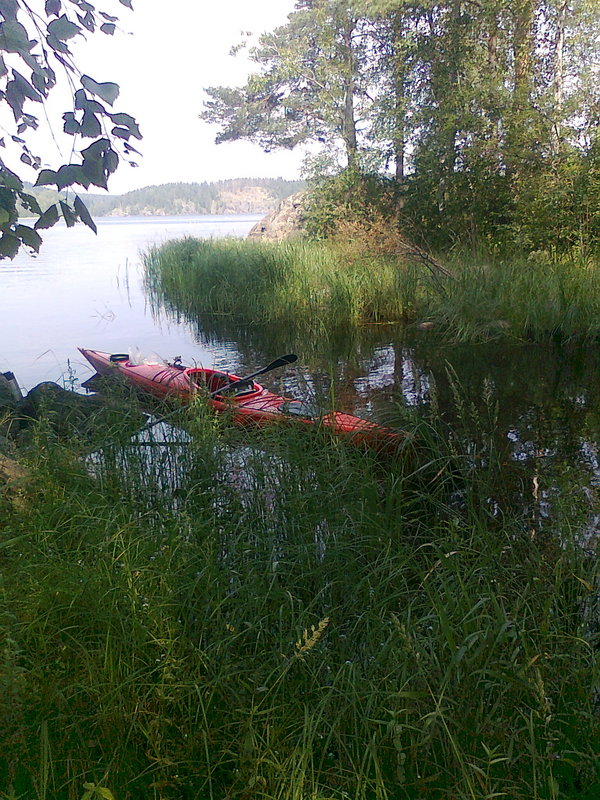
column 309, row 86
column 481, row 110
column 35, row 57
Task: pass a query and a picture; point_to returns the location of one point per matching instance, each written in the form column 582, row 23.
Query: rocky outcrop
column 14, row 483
column 286, row 222
column 92, row 420
column 10, row 396
column 70, row 414
column 10, row 393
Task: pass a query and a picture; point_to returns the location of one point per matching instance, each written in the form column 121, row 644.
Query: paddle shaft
column 279, row 362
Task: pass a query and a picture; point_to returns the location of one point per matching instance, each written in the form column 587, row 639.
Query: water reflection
column 533, row 408
column 545, row 391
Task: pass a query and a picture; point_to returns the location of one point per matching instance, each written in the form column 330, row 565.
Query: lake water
column 86, row 290
column 539, row 404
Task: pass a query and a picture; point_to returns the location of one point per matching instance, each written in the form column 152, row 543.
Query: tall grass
column 327, row 286
column 537, row 299
column 281, row 616
column 298, row 283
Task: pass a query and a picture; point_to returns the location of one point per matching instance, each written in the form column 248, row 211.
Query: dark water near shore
column 541, row 405
column 536, row 407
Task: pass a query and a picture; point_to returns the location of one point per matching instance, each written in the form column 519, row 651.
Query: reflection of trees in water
column 546, row 396
column 541, row 415
column 542, row 392
column 536, row 405
column 329, row 361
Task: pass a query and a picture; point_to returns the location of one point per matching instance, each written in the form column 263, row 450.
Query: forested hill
column 235, row 196
column 238, row 196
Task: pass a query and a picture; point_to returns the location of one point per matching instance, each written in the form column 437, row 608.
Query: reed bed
column 300, row 283
column 280, row 616
column 324, row 287
column 535, row 299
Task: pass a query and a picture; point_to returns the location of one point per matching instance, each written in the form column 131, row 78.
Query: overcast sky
column 171, row 51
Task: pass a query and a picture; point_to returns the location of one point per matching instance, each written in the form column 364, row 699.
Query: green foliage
column 33, row 42
column 303, row 285
column 307, row 87
column 317, row 289
column 558, row 206
column 539, row 298
column 348, row 197
column 276, row 616
column 487, row 111
column 93, row 792
column 554, row 207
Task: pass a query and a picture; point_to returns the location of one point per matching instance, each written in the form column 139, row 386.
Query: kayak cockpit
column 221, row 384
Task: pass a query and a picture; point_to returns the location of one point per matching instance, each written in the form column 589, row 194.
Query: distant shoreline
column 116, row 217
column 242, row 196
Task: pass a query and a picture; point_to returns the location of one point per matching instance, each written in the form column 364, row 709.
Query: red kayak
column 248, row 401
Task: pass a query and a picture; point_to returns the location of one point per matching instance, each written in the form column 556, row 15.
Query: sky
column 162, row 58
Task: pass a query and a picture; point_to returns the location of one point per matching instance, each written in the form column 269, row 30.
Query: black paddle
column 279, row 362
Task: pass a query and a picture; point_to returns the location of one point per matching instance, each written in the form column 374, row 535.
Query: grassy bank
column 536, row 299
column 281, row 616
column 324, row 286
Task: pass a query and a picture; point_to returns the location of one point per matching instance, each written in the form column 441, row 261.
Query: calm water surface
column 86, row 290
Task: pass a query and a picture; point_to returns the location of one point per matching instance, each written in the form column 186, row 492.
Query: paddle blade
column 280, row 362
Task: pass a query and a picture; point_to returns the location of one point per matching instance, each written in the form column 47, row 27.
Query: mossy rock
column 286, row 222
column 9, row 393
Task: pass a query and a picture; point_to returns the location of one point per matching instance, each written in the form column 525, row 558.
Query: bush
column 349, row 198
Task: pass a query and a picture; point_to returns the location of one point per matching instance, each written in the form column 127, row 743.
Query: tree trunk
column 495, row 77
column 349, row 121
column 523, row 58
column 559, row 75
column 447, row 104
column 399, row 69
column 523, row 49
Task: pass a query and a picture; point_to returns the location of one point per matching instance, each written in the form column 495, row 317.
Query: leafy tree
column 310, row 85
column 35, row 51
column 500, row 112
column 485, row 111
column 350, row 196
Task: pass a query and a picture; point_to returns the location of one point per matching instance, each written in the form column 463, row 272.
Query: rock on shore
column 68, row 413
column 286, row 222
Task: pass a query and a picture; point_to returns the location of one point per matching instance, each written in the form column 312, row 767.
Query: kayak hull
column 249, row 405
